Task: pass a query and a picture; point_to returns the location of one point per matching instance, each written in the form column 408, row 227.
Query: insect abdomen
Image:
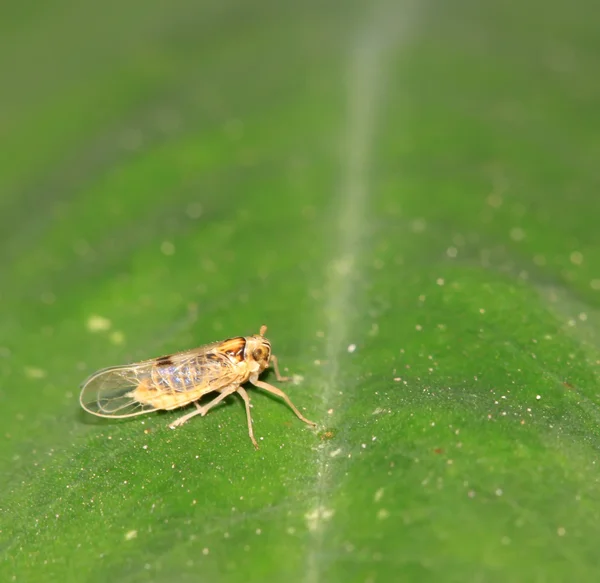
column 158, row 398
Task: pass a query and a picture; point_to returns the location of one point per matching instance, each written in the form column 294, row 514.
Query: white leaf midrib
column 365, row 78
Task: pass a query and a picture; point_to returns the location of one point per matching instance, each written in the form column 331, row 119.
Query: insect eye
column 258, row 354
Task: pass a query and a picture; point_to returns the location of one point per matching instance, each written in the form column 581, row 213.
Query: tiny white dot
column 167, row 248
column 576, row 258
column 517, row 234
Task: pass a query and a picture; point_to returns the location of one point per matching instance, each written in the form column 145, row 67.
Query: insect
column 179, row 379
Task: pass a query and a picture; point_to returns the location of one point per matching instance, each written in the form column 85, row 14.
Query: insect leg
column 204, row 410
column 242, row 393
column 280, row 393
column 224, row 393
column 181, row 420
column 276, row 367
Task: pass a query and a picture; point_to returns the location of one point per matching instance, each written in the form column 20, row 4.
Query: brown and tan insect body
column 179, row 379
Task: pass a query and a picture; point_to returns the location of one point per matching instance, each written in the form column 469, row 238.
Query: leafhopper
column 176, row 380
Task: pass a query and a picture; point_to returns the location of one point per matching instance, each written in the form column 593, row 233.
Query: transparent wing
column 163, row 383
column 110, row 392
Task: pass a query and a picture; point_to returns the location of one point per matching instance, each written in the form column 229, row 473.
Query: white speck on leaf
column 318, row 516
column 419, row 225
column 517, row 234
column 167, row 248
column 117, row 337
column 343, row 266
column 97, row 323
column 576, row 258
column 34, row 373
column 194, row 210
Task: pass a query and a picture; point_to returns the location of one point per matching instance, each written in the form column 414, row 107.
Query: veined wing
column 167, row 382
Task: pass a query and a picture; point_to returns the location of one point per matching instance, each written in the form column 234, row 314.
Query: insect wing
column 167, row 382
column 110, row 391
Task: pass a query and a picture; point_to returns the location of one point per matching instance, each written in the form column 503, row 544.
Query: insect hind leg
column 204, row 410
column 181, row 420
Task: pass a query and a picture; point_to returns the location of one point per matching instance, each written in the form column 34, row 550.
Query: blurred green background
column 406, row 193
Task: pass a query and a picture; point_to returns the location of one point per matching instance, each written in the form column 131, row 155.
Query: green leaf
column 405, row 193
